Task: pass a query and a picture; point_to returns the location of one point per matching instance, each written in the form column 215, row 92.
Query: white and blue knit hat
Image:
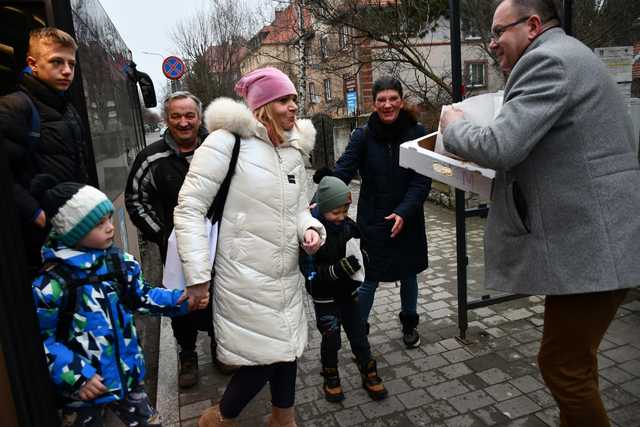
column 74, row 210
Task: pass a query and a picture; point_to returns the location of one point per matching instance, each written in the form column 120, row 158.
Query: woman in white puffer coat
column 259, row 319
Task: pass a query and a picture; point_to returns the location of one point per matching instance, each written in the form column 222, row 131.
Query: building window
column 476, row 74
column 327, row 90
column 313, row 96
column 343, row 37
column 324, row 42
column 307, row 51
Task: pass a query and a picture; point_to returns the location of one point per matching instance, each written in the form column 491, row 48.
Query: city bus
column 108, row 91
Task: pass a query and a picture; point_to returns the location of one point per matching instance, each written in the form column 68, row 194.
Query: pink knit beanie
column 261, row 86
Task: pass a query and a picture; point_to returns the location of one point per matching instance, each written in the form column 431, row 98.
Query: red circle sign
column 173, row 67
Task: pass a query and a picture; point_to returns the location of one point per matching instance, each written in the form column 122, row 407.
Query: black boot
column 331, row 387
column 410, row 334
column 371, row 382
column 188, row 376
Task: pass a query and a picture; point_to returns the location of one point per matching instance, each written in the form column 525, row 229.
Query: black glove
column 345, row 267
column 321, row 173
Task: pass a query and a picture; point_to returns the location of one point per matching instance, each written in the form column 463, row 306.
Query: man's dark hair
column 386, row 83
column 547, row 10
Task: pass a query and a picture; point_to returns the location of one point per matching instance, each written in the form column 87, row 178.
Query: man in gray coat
column 564, row 220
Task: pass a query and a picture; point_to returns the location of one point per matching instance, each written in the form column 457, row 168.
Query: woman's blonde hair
column 265, row 115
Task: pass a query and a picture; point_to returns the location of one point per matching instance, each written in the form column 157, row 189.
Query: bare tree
column 212, row 43
column 394, row 35
column 597, row 23
column 603, row 23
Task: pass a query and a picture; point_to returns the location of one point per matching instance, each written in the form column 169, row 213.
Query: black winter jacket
column 388, row 188
column 325, row 288
column 60, row 150
column 153, row 185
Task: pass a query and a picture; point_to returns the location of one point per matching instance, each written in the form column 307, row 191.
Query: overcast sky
column 145, row 26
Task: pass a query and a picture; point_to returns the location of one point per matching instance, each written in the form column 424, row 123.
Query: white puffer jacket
column 258, row 294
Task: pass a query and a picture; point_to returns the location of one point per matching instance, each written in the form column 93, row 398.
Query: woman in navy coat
column 390, row 206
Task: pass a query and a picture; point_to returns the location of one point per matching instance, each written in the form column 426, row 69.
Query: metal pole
column 461, row 227
column 456, row 55
column 302, row 63
column 568, row 17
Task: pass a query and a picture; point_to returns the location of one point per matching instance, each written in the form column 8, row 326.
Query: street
column 492, row 380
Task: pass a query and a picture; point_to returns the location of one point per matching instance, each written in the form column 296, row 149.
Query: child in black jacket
column 329, row 281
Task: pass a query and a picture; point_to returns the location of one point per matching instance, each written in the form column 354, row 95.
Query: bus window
column 16, row 20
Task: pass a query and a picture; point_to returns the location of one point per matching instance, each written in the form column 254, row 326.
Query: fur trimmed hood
column 235, row 117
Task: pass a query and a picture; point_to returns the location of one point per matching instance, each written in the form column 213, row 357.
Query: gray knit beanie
column 332, row 193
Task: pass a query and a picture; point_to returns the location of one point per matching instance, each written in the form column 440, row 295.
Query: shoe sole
column 414, row 345
column 334, row 399
column 375, row 396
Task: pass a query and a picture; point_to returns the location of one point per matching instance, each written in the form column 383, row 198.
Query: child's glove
column 345, row 267
column 321, row 173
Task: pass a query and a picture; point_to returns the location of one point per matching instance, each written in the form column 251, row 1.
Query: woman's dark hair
column 386, row 83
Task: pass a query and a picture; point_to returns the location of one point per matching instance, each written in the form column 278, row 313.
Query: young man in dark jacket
column 329, row 280
column 150, row 197
column 42, row 130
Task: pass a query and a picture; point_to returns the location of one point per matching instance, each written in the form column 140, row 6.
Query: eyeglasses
column 498, row 31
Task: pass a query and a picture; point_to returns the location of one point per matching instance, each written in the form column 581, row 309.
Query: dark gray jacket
column 566, row 201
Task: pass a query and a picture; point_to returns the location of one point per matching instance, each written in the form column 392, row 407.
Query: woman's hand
column 397, row 225
column 198, row 296
column 311, row 242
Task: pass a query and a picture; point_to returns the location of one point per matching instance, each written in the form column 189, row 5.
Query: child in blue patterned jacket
column 85, row 297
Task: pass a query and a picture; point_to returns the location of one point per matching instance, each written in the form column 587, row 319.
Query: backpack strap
column 64, row 275
column 217, row 207
column 118, row 275
column 34, row 131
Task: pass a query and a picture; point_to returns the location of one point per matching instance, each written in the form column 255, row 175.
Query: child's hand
column 311, row 241
column 347, row 266
column 92, row 388
column 183, row 297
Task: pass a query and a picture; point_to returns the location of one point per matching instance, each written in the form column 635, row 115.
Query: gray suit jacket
column 565, row 216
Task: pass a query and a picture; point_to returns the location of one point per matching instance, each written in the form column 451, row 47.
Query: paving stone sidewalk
column 492, row 380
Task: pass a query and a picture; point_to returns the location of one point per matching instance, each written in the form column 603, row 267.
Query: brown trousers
column 573, row 329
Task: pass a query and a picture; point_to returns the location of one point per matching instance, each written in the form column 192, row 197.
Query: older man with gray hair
column 564, row 217
column 151, row 195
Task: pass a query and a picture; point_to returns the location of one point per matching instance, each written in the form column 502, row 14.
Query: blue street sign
column 352, row 101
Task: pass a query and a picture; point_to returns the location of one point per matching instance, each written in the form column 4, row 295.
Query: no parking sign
column 173, row 67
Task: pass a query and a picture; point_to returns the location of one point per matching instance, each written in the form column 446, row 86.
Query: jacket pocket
column 517, row 210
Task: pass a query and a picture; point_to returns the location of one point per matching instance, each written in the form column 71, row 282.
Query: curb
column 167, row 401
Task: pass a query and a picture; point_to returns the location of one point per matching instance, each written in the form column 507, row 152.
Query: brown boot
column 331, row 387
column 212, row 417
column 282, row 417
column 371, row 382
column 188, row 375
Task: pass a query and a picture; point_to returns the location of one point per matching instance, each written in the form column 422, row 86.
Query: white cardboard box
column 466, row 176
